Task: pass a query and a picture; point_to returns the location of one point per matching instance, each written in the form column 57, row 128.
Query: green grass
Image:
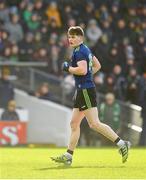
column 94, row 163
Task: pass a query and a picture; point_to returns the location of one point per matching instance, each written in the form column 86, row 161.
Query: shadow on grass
column 79, row 167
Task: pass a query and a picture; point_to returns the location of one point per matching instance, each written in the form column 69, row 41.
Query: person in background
column 53, row 13
column 93, row 33
column 132, row 86
column 10, row 113
column 43, row 92
column 110, row 111
column 26, row 14
column 109, row 84
column 4, row 11
column 6, row 89
column 14, row 28
column 120, row 82
column 26, row 47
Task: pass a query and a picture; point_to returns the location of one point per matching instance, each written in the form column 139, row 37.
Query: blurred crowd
column 35, row 30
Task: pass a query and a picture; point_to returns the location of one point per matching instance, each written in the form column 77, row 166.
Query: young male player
column 83, row 65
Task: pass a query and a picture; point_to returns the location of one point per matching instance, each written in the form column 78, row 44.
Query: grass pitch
column 97, row 163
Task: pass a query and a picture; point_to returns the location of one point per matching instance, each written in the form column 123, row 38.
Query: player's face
column 75, row 40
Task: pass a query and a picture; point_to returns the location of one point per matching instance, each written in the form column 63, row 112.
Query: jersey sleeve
column 80, row 55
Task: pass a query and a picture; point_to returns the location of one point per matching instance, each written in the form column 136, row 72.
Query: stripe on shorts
column 87, row 98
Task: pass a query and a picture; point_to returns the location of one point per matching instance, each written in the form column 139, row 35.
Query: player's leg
column 94, row 123
column 92, row 117
column 77, row 117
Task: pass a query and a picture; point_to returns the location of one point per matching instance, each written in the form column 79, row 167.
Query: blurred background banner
column 13, row 126
column 13, row 133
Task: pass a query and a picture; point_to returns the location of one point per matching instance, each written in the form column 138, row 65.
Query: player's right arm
column 81, row 68
column 95, row 65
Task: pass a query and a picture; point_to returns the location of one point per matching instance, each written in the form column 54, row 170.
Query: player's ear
column 81, row 38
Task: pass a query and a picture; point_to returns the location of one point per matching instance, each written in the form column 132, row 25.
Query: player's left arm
column 81, row 68
column 96, row 65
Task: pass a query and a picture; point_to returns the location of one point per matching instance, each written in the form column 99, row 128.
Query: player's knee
column 94, row 125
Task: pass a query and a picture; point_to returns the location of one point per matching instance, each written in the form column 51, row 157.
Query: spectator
column 43, row 92
column 67, row 14
column 113, row 59
column 55, row 58
column 109, row 85
column 11, row 53
column 53, row 13
column 38, row 6
column 115, row 14
column 120, row 83
column 34, row 22
column 38, row 40
column 6, row 54
column 41, row 55
column 14, row 28
column 130, row 63
column 121, row 31
column 10, row 113
column 89, row 12
column 6, row 90
column 140, row 52
column 129, row 51
column 14, row 53
column 104, row 14
column 107, row 31
column 133, row 33
column 27, row 13
column 109, row 113
column 71, row 22
column 27, row 47
column 54, row 53
column 53, row 28
column 21, row 6
column 132, row 86
column 132, row 13
column 93, row 32
column 4, row 12
column 4, row 42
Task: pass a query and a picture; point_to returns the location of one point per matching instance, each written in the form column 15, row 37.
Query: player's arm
column 96, row 65
column 81, row 68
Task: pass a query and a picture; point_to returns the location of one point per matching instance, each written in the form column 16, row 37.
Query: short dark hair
column 75, row 30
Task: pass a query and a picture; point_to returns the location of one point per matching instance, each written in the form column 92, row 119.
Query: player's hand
column 65, row 66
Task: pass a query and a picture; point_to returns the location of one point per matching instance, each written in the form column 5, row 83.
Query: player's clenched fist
column 65, row 66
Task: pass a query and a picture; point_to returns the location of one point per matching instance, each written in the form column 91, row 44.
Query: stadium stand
column 35, row 31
